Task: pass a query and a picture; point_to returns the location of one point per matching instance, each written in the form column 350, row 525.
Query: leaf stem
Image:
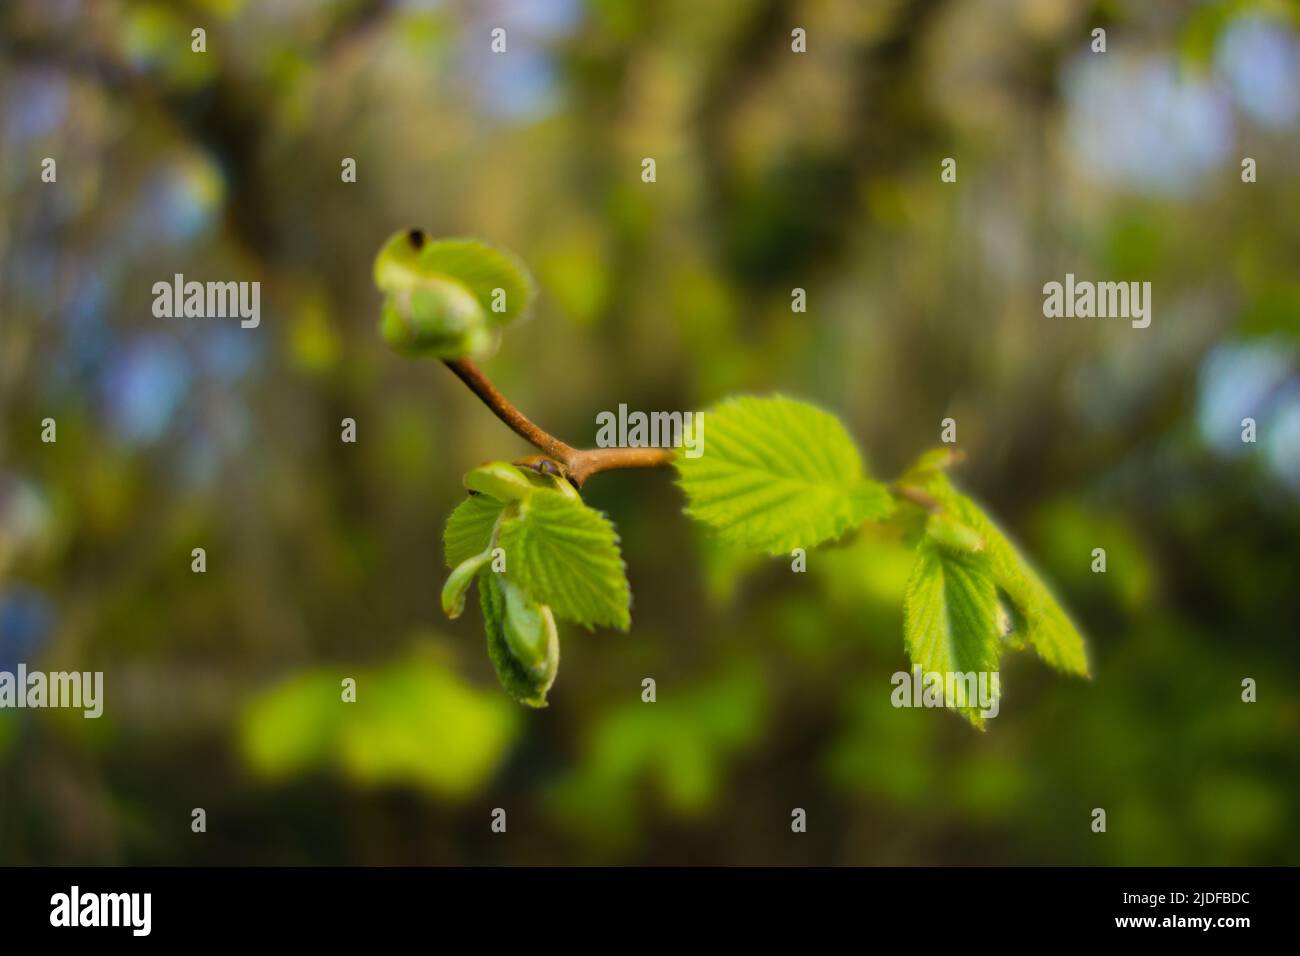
column 577, row 464
column 917, row 496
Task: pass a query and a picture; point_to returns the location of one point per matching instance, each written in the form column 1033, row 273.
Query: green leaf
column 544, row 479
column 777, row 474
column 525, row 684
column 501, row 480
column 566, row 555
column 469, row 528
column 437, row 318
column 950, row 619
column 483, row 269
column 955, row 535
column 410, row 257
column 935, row 460
column 453, row 592
column 447, row 298
column 397, row 265
column 1036, row 618
column 529, row 630
column 1046, row 626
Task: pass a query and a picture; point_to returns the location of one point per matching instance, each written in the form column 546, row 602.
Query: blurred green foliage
column 775, row 171
column 414, row 723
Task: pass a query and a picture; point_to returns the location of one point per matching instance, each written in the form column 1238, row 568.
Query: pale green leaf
column 1046, row 626
column 544, row 479
column 469, row 528
column 953, row 534
column 523, row 683
column 436, row 318
column 448, row 298
column 935, row 460
column 500, row 282
column 1036, row 618
column 776, row 474
column 950, row 619
column 566, row 555
column 458, row 582
column 529, row 631
column 397, row 265
column 501, row 480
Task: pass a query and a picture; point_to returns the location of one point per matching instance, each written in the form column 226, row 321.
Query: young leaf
column 565, row 554
column 1035, row 616
column 436, row 317
column 469, row 528
column 397, row 265
column 776, row 474
column 447, row 298
column 1047, row 628
column 950, row 618
column 529, row 631
column 458, row 582
column 500, row 282
column 953, row 534
column 500, row 480
column 931, row 463
column 525, row 684
column 545, row 479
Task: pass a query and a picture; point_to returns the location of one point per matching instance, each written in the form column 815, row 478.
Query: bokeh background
column 775, row 171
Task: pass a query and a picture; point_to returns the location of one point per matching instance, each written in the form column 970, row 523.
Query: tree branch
column 576, row 464
column 519, row 423
column 591, row 461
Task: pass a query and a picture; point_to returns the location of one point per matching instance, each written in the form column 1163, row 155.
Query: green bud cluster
column 447, row 298
column 523, row 643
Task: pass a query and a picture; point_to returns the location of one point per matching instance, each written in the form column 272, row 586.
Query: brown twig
column 519, row 423
column 577, row 464
column 589, row 461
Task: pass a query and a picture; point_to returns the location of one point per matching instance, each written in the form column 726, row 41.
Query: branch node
column 557, row 458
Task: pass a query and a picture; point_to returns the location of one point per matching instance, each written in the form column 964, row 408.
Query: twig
column 577, row 464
